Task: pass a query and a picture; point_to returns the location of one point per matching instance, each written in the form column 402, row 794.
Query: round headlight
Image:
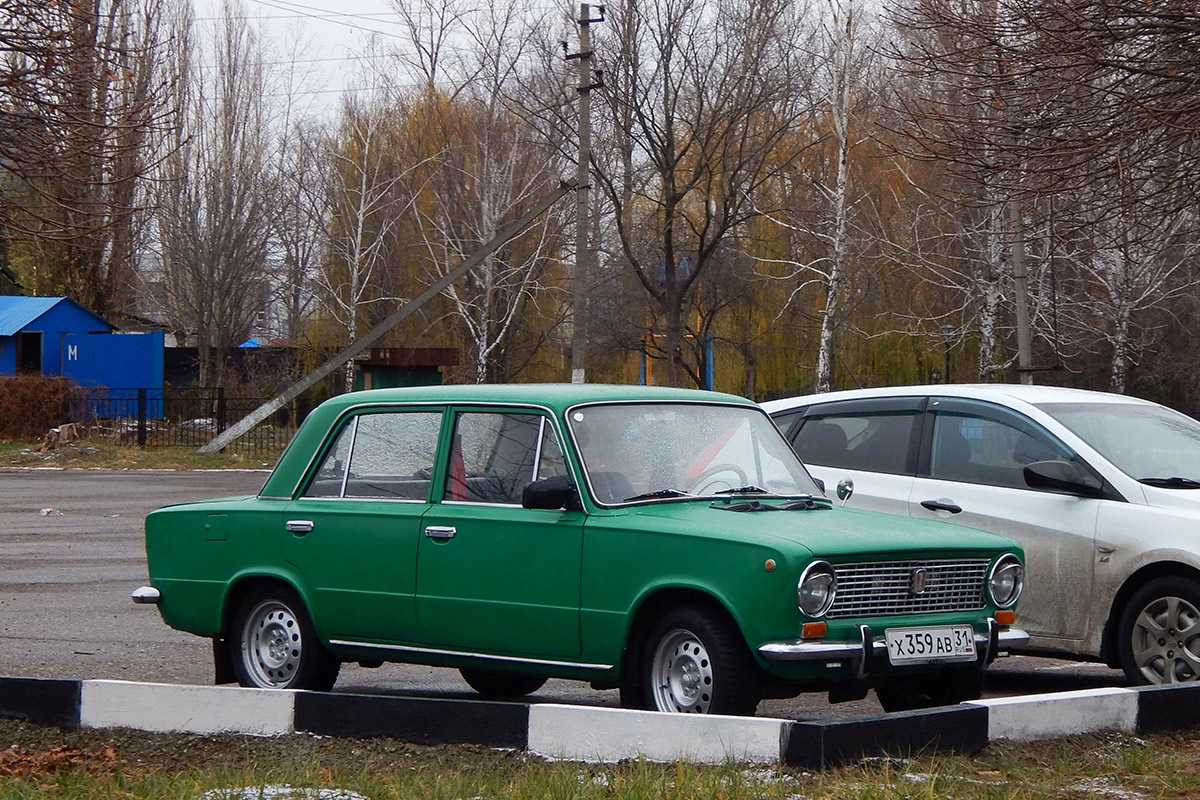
column 818, row 585
column 1007, row 580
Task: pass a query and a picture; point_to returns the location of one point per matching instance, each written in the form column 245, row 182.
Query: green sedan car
column 664, row 542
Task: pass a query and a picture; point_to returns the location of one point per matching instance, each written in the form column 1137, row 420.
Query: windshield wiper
column 658, row 493
column 744, row 490
column 1171, row 483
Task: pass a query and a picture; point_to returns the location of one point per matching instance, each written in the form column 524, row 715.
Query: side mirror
column 1065, row 477
column 845, row 489
column 551, row 494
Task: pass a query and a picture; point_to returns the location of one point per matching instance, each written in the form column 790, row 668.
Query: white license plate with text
column 930, row 644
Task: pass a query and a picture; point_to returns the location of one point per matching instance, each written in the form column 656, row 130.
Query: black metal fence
column 181, row 418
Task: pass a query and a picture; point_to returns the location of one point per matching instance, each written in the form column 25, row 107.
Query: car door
column 970, row 472
column 352, row 533
column 872, row 442
column 492, row 576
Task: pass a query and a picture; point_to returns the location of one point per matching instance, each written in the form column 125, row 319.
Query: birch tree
column 363, row 189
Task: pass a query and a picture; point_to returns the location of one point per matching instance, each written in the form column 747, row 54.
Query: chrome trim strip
column 487, row 656
column 819, row 650
column 146, row 595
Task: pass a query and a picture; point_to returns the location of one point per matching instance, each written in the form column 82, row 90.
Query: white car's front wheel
column 1160, row 632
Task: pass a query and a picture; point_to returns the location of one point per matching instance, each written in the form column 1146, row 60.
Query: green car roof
column 557, row 397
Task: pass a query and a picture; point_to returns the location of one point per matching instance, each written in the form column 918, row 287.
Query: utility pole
column 1021, row 290
column 584, row 254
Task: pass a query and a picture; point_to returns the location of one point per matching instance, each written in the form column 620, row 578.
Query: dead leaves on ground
column 18, row 762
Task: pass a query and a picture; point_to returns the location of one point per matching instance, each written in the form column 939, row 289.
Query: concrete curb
column 582, row 733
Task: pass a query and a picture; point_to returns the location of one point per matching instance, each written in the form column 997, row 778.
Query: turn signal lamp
column 814, row 630
column 1006, row 617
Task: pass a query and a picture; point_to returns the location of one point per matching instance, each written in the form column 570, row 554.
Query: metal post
column 141, row 412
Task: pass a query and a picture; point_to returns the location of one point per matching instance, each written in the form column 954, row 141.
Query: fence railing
column 182, row 418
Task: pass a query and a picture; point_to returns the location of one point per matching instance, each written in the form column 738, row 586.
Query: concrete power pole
column 584, row 254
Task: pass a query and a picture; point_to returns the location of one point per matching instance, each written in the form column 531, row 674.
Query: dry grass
column 94, row 453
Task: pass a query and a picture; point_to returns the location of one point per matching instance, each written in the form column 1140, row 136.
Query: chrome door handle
column 440, row 532
column 299, row 525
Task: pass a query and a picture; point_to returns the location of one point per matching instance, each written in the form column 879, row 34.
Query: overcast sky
column 323, row 38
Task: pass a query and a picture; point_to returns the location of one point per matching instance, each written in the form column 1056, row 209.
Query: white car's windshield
column 647, row 451
column 1145, row 442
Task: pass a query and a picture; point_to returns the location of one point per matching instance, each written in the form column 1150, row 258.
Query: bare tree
column 218, row 197
column 83, row 94
column 699, row 97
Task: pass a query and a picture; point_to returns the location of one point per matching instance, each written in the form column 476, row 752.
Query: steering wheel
column 713, row 477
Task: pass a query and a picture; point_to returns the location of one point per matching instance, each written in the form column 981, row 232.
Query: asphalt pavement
column 71, row 551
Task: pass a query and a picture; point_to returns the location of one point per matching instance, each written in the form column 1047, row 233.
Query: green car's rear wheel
column 275, row 646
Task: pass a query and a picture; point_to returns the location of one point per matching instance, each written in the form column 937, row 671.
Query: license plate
column 930, row 644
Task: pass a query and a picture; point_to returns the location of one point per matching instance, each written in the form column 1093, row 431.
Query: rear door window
column 867, row 435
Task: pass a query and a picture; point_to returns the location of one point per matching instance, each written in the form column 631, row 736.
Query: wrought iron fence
column 181, row 418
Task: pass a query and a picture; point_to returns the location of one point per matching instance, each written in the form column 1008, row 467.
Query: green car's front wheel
column 275, row 646
column 695, row 662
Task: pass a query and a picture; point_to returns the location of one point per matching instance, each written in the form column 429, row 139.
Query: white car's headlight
column 1007, row 580
column 817, row 587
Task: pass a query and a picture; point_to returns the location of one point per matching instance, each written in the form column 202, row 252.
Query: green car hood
column 825, row 532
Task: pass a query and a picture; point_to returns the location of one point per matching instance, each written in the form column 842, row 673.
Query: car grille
column 887, row 587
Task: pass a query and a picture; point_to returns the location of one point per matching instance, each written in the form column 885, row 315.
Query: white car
column 1102, row 491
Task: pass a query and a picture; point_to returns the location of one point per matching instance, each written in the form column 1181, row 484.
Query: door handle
column 301, row 526
column 440, row 533
column 938, row 505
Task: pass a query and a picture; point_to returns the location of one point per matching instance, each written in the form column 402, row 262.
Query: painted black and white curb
column 582, row 733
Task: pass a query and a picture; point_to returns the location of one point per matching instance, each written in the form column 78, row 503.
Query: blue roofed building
column 57, row 337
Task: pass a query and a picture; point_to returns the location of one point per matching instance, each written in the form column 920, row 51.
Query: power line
column 323, row 14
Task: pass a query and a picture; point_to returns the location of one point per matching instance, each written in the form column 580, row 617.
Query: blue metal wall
column 115, row 360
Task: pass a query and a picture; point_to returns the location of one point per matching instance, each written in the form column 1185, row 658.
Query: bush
column 30, row 405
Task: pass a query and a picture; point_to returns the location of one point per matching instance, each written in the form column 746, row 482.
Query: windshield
column 1144, row 442
column 647, row 451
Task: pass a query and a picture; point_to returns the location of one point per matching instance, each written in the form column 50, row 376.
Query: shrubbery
column 30, row 405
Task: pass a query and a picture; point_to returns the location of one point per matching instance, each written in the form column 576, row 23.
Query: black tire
column 931, row 690
column 1159, row 632
column 694, row 661
column 273, row 644
column 494, row 683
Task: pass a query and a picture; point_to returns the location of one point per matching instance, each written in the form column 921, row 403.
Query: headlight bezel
column 819, row 572
column 1008, row 570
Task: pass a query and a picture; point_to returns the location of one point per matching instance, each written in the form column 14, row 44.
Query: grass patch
column 126, row 764
column 97, row 453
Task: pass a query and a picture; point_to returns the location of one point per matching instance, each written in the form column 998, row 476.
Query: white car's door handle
column 941, row 505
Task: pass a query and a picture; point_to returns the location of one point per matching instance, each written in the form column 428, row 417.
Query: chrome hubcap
column 1166, row 641
column 682, row 674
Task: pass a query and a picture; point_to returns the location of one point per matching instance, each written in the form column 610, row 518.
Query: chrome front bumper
column 146, row 595
column 990, row 644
